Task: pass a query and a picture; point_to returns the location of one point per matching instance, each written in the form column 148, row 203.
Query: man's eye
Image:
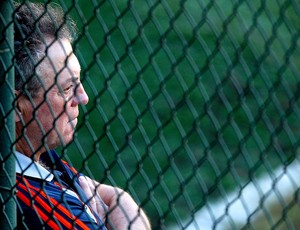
column 67, row 90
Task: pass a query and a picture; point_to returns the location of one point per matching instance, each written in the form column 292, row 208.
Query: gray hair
column 34, row 22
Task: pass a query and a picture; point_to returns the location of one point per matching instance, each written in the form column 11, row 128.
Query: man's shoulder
column 53, row 160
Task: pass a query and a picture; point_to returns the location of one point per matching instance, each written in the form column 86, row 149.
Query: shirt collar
column 27, row 167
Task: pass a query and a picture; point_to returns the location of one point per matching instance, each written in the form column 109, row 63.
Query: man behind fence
column 51, row 194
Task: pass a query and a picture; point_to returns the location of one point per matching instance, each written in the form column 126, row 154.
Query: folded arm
column 121, row 210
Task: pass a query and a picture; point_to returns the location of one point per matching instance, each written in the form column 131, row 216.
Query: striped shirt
column 51, row 199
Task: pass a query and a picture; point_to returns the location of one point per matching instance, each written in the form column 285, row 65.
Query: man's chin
column 68, row 140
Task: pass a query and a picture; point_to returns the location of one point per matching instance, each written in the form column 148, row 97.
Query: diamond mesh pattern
column 192, row 103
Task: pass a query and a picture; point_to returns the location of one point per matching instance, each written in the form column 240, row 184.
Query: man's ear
column 19, row 106
column 18, row 115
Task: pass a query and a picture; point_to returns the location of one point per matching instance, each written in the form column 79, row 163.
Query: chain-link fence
column 193, row 108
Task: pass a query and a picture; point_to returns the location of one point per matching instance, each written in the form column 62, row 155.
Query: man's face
column 55, row 109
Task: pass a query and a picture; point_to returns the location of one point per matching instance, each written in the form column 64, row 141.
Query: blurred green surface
column 188, row 99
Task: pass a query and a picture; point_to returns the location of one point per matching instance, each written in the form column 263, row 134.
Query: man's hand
column 95, row 201
column 117, row 205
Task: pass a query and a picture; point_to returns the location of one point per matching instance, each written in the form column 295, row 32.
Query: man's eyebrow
column 71, row 80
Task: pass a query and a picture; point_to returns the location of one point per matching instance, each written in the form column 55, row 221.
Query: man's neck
column 22, row 147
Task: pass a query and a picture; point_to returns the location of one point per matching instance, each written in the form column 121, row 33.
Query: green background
column 188, row 99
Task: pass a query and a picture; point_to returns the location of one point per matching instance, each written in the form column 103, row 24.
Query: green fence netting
column 193, row 109
column 7, row 134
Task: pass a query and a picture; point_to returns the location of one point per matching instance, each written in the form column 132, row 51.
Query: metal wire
column 192, row 103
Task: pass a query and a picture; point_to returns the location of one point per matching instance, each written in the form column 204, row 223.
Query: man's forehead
column 60, row 61
column 59, row 45
column 60, row 54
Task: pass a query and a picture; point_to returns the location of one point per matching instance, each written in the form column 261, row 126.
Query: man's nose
column 80, row 96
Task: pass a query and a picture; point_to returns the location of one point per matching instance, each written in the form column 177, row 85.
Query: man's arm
column 121, row 210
